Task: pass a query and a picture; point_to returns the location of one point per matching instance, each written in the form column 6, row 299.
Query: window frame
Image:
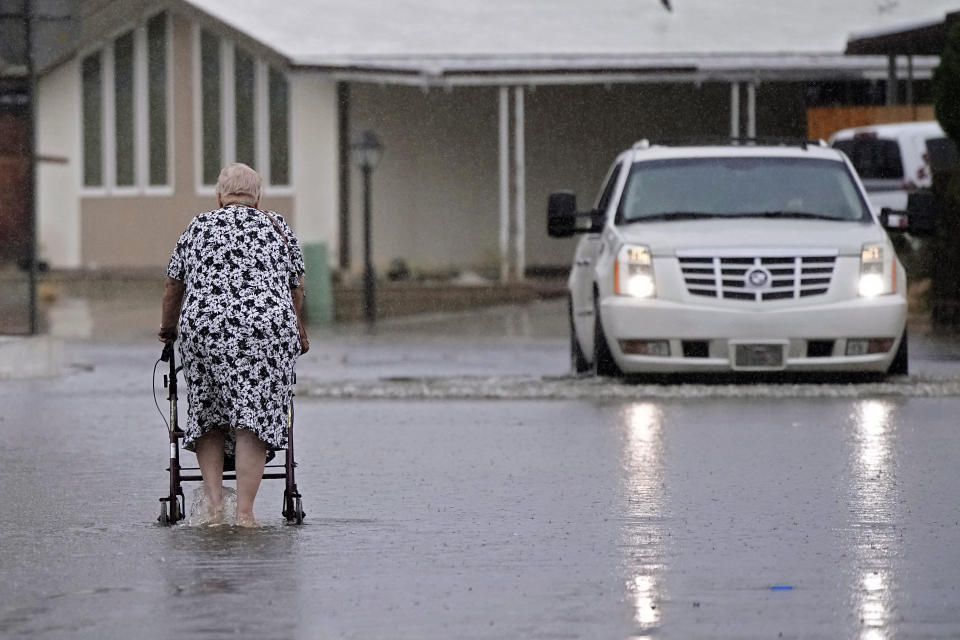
column 108, row 143
column 228, row 114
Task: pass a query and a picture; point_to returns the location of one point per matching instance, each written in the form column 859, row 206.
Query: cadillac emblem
column 758, row 278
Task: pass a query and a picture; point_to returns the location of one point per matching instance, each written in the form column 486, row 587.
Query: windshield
column 740, row 187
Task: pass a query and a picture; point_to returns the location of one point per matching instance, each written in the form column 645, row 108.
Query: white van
column 894, row 159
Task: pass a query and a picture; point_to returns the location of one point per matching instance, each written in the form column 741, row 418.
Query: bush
column 944, row 247
column 946, row 86
column 944, row 251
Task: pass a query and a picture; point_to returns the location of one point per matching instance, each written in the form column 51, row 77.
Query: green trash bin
column 319, row 303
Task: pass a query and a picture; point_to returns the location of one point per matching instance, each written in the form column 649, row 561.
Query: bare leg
column 251, row 456
column 210, row 458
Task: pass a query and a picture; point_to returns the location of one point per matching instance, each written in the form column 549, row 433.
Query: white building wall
column 314, row 159
column 58, row 171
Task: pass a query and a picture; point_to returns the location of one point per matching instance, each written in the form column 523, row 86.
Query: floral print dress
column 238, row 330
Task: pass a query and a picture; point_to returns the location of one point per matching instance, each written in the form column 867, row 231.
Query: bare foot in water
column 246, row 520
column 215, row 516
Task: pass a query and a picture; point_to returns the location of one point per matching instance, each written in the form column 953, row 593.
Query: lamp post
column 367, row 150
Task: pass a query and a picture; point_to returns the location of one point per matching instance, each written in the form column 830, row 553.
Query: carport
column 918, row 39
column 515, row 90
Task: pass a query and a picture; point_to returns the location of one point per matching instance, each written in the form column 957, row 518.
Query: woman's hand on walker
column 167, row 335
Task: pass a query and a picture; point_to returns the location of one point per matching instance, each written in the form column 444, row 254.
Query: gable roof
column 921, row 38
column 438, row 38
column 311, row 31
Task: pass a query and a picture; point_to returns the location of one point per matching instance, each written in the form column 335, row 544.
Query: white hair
column 237, row 181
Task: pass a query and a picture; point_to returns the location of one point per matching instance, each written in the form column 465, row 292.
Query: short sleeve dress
column 238, row 331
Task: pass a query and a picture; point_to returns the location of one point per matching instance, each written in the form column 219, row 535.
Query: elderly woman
column 234, row 295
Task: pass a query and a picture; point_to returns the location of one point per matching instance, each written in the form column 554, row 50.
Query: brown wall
column 823, row 122
column 14, row 186
column 140, row 231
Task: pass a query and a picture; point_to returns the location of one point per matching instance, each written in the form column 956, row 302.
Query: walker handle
column 167, row 352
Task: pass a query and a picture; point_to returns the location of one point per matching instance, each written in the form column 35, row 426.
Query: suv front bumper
column 716, row 331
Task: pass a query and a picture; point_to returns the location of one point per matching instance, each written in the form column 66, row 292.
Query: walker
column 172, row 506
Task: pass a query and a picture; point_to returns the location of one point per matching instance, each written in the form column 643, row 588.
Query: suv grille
column 757, row 279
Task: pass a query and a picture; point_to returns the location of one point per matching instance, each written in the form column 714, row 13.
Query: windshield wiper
column 677, row 215
column 791, row 214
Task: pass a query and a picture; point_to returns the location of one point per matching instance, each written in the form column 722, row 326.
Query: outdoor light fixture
column 366, row 150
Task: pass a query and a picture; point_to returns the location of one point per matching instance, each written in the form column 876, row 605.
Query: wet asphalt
column 577, row 509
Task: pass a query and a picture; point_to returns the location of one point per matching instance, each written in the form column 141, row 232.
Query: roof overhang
column 923, row 38
column 436, row 71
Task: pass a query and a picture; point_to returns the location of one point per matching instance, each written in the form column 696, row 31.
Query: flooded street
column 575, row 509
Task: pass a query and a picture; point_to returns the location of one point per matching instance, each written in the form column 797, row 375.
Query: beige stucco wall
column 140, row 231
column 58, row 172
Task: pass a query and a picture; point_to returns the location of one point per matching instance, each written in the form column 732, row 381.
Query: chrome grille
column 757, row 278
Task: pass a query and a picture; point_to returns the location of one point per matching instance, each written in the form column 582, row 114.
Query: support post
column 751, row 109
column 504, row 184
column 891, row 80
column 369, row 278
column 734, row 109
column 909, row 96
column 520, row 185
column 32, row 163
column 343, row 134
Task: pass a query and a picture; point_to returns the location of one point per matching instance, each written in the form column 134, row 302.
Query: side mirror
column 562, row 216
column 919, row 219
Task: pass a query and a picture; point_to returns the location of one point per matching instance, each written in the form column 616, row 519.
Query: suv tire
column 578, row 361
column 603, row 362
column 900, row 365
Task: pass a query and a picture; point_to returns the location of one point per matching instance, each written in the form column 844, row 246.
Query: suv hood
column 665, row 238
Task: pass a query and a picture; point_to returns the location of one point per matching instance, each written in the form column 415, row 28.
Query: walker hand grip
column 167, row 352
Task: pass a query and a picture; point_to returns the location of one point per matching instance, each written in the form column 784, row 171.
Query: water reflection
column 874, row 501
column 645, row 493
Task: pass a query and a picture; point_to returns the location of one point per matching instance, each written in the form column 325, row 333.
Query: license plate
column 758, row 356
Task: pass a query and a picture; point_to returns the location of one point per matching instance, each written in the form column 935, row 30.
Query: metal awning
column 924, row 39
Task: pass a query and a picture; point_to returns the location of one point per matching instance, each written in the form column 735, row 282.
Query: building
column 484, row 106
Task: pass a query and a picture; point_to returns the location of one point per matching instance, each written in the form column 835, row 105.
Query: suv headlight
column 877, row 276
column 633, row 272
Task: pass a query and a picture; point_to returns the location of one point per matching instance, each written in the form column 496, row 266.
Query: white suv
column 733, row 258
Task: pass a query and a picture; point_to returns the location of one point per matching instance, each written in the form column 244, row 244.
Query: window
column 279, row 129
column 125, row 110
column 606, row 192
column 157, row 100
column 124, row 131
column 761, row 187
column 210, row 105
column 92, row 82
column 245, row 122
column 873, row 158
column 243, row 107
